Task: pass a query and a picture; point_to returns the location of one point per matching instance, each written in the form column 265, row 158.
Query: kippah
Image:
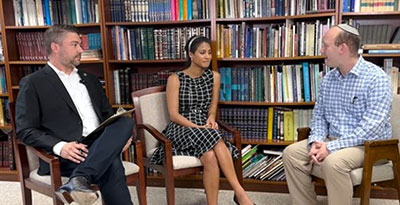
column 349, row 29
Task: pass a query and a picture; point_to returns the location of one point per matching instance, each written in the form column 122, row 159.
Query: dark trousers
column 103, row 165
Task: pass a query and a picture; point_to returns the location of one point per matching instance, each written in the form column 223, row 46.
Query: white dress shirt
column 81, row 99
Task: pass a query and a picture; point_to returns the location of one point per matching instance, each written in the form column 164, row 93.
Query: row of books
column 272, row 124
column 262, row 164
column 49, row 12
column 6, row 156
column 272, row 40
column 272, row 83
column 151, row 43
column 267, row 8
column 370, row 5
column 3, row 81
column 126, row 81
column 158, row 10
column 31, row 45
column 376, row 33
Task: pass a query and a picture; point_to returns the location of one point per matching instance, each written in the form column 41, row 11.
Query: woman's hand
column 211, row 123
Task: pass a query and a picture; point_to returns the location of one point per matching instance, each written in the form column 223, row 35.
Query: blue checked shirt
column 354, row 108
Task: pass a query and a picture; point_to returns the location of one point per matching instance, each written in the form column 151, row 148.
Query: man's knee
column 333, row 164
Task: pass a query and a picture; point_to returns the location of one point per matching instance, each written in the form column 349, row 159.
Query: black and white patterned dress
column 195, row 95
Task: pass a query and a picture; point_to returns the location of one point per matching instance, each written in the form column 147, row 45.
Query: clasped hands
column 77, row 152
column 318, row 152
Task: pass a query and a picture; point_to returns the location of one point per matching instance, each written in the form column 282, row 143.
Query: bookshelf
column 105, row 67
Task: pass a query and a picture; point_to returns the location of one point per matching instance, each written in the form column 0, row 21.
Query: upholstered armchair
column 27, row 161
column 381, row 161
column 151, row 117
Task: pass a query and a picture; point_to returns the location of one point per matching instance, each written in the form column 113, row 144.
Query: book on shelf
column 151, row 43
column 246, row 40
column 266, row 8
column 370, row 6
column 154, row 11
column 50, row 12
column 266, row 123
column 271, row 83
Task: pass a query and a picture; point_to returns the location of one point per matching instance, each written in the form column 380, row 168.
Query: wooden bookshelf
column 105, row 67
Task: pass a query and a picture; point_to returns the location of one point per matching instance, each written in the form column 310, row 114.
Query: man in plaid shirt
column 353, row 106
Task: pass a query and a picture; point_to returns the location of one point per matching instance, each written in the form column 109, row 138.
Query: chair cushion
column 379, row 173
column 181, row 162
column 130, row 168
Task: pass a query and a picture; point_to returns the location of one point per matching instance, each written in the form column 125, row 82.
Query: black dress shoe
column 77, row 189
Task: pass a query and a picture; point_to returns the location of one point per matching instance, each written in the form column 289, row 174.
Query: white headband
column 191, row 41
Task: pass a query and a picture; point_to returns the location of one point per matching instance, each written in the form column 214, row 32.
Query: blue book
column 222, row 91
column 49, row 22
column 306, row 82
column 85, row 12
column 228, row 84
column 190, row 9
column 235, row 85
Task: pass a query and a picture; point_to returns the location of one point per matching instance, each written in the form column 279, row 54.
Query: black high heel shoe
column 236, row 200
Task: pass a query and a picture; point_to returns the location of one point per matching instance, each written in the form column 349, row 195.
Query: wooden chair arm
column 303, row 133
column 374, row 143
column 153, row 131
column 49, row 158
column 161, row 138
column 235, row 132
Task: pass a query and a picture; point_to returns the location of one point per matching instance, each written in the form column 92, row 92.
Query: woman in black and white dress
column 192, row 98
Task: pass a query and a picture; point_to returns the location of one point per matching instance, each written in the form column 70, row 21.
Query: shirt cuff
column 58, row 147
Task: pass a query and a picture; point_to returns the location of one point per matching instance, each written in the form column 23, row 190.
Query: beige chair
column 151, row 117
column 382, row 175
column 27, row 161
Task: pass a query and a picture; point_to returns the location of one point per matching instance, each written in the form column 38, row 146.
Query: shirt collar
column 59, row 72
column 356, row 70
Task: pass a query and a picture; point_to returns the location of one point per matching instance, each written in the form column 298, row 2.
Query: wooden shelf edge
column 326, row 13
column 5, row 126
column 148, row 61
column 83, row 61
column 372, row 14
column 383, row 55
column 272, row 59
column 266, row 103
column 3, row 94
column 163, row 23
column 46, row 27
column 266, row 142
column 8, row 175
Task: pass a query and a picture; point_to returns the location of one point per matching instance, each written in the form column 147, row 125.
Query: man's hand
column 128, row 143
column 75, row 152
column 318, row 152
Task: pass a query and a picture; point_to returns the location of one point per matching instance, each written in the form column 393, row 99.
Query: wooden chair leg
column 170, row 187
column 396, row 170
column 57, row 201
column 141, row 189
column 366, row 185
column 26, row 195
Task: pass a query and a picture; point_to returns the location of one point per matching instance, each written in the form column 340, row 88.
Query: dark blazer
column 46, row 114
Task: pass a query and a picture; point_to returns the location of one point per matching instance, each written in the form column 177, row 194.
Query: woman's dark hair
column 192, row 45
